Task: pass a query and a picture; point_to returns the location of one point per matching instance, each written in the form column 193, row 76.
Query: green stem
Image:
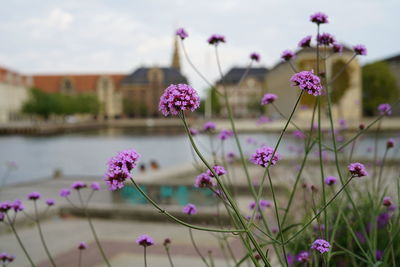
column 197, row 249
column 145, row 256
column 169, row 256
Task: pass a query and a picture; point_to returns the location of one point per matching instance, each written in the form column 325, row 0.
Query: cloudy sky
column 87, row 36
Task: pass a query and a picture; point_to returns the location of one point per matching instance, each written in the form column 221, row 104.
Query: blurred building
column 394, row 65
column 244, row 101
column 13, row 93
column 346, row 91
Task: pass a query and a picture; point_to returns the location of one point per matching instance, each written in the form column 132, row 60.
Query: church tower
column 176, row 61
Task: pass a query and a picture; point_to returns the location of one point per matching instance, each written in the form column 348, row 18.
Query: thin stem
column 80, row 258
column 197, row 249
column 19, row 240
column 145, row 258
column 37, row 220
column 96, row 238
column 169, row 256
column 381, row 171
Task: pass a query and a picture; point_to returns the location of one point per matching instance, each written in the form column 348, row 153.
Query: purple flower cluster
column 182, row 33
column 263, row 156
column 119, row 168
column 303, row 256
column 390, row 143
column 193, row 131
column 385, row 109
column 330, row 180
column 7, row 205
column 178, row 97
column 34, row 196
column 219, row 170
column 299, row 134
column 387, row 201
column 307, row 81
column 204, row 180
column 145, row 241
column 360, row 50
column 95, row 186
column 78, row 185
column 321, row 246
column 319, row 18
column 287, row 55
column 6, row 258
column 263, row 204
column 357, row 169
column 82, row 246
column 189, row 209
column 215, row 39
column 209, row 126
column 337, row 48
column 65, row 192
column 325, row 39
column 255, row 56
column 225, row 134
column 268, row 99
column 305, row 42
column 50, row 202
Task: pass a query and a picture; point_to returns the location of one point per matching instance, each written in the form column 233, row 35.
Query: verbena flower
column 360, row 50
column 330, row 180
column 145, row 241
column 6, row 258
column 17, row 205
column 167, row 242
column 65, row 192
column 319, row 18
column 387, row 201
column 50, row 202
column 225, row 134
column 287, row 55
column 379, row 255
column 219, row 170
column 325, row 39
column 299, row 134
column 95, row 186
column 204, row 180
column 34, row 196
column 305, row 42
column 263, row 119
column 82, row 246
column 215, row 39
column 119, row 168
column 357, row 169
column 193, row 131
column 383, row 219
column 78, row 185
column 390, row 143
column 209, row 126
column 290, row 259
column 263, row 204
column 255, row 56
column 337, row 48
column 385, row 109
column 5, row 206
column 263, row 156
column 307, row 81
column 178, row 97
column 321, row 246
column 268, row 99
column 182, row 33
column 303, row 256
column 189, row 209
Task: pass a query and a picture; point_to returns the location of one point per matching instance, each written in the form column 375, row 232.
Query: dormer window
column 67, row 86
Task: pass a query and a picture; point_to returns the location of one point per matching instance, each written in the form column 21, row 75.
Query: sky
column 106, row 36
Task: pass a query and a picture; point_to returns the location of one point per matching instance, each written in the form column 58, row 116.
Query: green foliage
column 379, row 86
column 44, row 104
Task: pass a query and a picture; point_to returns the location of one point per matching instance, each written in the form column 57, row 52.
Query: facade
column 346, row 90
column 13, row 93
column 394, row 65
column 244, row 101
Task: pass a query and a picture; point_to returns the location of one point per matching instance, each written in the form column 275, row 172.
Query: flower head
column 387, row 201
column 357, row 169
column 119, row 168
column 337, row 48
column 383, row 219
column 34, row 196
column 390, row 143
column 17, row 205
column 299, row 134
column 263, row 204
column 167, row 242
column 379, row 255
column 50, row 202
column 209, row 126
column 255, row 56
column 189, row 209
column 325, row 39
column 178, row 97
column 204, row 180
column 145, row 241
column 360, row 50
column 65, row 192
column 6, row 258
column 95, row 186
column 321, row 245
column 268, row 99
column 193, row 131
column 182, row 33
column 5, row 206
column 319, row 18
column 219, row 170
column 385, row 109
column 303, row 256
column 305, row 42
column 263, row 156
column 225, row 134
column 78, row 185
column 287, row 55
column 330, row 180
column 82, row 246
column 307, row 81
column 215, row 39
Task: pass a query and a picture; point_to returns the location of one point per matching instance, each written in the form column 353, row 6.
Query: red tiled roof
column 4, row 77
column 81, row 82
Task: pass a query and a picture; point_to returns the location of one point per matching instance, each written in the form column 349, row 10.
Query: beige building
column 244, row 101
column 346, row 91
column 13, row 93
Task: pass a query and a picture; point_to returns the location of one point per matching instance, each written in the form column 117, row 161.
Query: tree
column 379, row 86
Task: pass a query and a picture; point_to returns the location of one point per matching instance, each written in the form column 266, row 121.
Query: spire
column 176, row 62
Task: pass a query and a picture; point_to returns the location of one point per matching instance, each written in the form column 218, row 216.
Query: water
column 87, row 153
